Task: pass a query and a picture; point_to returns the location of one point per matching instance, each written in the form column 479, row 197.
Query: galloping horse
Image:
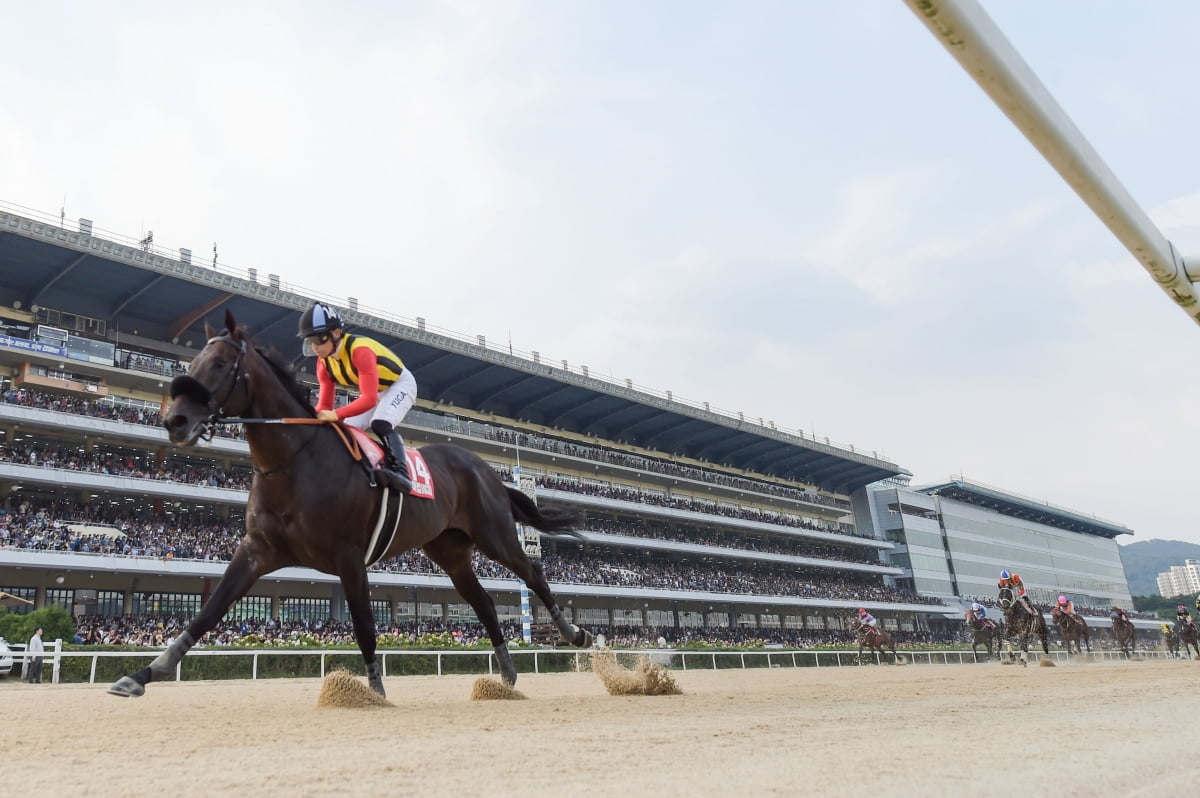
column 874, row 639
column 311, row 505
column 1072, row 630
column 982, row 631
column 1125, row 634
column 1020, row 624
column 1190, row 639
column 1172, row 639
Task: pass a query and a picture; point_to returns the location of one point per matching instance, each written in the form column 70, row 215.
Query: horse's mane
column 283, row 370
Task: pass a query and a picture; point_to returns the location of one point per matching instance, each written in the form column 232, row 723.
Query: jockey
column 1013, row 581
column 977, row 611
column 386, row 389
column 1066, row 607
column 1118, row 614
column 867, row 619
column 1166, row 629
column 1182, row 618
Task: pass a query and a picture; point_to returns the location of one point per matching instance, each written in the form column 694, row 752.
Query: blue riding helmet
column 1005, row 575
column 317, row 320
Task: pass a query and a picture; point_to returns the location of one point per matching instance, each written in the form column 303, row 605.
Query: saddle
column 369, row 454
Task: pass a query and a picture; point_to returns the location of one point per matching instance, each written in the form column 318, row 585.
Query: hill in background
column 1146, row 559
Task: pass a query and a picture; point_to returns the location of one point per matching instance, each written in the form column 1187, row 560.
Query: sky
column 806, row 212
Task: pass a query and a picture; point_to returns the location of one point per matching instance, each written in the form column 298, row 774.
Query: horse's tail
column 551, row 520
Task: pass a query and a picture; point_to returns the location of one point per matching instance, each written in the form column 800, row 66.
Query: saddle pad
column 418, row 472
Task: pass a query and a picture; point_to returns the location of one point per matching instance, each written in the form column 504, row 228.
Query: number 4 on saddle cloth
column 372, row 452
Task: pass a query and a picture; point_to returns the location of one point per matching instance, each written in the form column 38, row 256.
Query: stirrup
column 392, row 479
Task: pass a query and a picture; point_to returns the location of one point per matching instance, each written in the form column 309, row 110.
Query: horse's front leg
column 358, row 598
column 243, row 571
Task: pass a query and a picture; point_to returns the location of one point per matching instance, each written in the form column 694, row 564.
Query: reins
column 350, row 442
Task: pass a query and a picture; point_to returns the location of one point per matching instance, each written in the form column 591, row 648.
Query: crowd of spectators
column 98, row 408
column 159, row 630
column 153, row 535
column 685, row 533
column 663, row 466
column 102, row 408
column 125, row 462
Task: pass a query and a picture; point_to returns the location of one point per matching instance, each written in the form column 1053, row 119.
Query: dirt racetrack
column 1080, row 729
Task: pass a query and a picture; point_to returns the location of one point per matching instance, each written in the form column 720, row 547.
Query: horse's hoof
column 583, row 639
column 126, row 688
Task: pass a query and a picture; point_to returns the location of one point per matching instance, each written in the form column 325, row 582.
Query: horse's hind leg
column 451, row 550
column 357, row 588
column 504, row 548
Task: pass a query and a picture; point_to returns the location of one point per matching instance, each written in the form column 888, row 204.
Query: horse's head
column 215, row 386
column 1005, row 598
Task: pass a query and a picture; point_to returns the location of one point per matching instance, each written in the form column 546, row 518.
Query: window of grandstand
column 691, row 620
column 299, row 608
column 250, row 608
column 623, row 617
column 27, row 593
column 381, row 611
column 457, row 611
column 660, row 618
column 91, row 351
column 594, row 616
column 184, row 604
column 57, row 596
column 814, row 622
column 427, row 611
column 720, row 619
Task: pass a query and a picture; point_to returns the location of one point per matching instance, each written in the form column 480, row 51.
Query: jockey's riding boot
column 395, row 475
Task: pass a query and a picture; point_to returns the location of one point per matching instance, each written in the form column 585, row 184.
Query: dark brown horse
column 1125, row 634
column 1171, row 637
column 983, row 632
column 1190, row 639
column 311, row 505
column 1020, row 624
column 875, row 640
column 1073, row 630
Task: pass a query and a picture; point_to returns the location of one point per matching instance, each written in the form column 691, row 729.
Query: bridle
column 191, row 387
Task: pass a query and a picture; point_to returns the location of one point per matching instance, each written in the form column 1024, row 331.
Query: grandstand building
column 953, row 540
column 697, row 519
column 700, row 521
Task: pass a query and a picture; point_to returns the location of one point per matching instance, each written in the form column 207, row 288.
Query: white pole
column 979, row 46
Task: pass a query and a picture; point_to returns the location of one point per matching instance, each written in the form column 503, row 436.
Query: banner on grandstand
column 32, row 346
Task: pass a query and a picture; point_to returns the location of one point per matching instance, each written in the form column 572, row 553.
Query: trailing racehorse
column 1073, row 630
column 982, row 631
column 1020, row 624
column 1125, row 634
column 875, row 640
column 1190, row 639
column 1172, row 640
column 311, row 505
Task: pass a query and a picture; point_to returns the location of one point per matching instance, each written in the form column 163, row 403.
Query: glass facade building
column 954, row 539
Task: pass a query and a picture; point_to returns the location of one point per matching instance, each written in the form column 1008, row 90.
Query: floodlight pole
column 980, row 47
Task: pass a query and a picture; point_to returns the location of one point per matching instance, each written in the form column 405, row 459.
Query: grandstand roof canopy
column 148, row 297
column 1027, row 509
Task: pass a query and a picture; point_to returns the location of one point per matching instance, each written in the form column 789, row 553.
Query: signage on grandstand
column 32, row 346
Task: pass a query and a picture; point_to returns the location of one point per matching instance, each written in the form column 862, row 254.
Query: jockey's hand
column 327, row 415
